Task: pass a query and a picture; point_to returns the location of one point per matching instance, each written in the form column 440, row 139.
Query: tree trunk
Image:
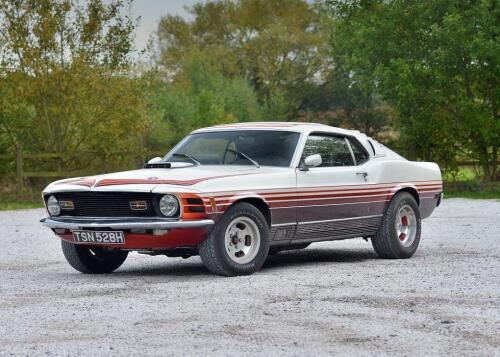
column 494, row 164
column 19, row 169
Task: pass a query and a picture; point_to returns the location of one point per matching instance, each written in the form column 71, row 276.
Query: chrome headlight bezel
column 169, row 206
column 53, row 206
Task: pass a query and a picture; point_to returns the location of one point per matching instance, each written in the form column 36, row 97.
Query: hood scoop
column 167, row 165
column 160, row 165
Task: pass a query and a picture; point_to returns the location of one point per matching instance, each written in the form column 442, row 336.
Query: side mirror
column 155, row 160
column 311, row 161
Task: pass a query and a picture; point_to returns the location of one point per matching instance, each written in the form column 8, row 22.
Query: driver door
column 330, row 199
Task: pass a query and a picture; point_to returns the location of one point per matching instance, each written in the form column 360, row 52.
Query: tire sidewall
column 396, row 246
column 81, row 259
column 249, row 211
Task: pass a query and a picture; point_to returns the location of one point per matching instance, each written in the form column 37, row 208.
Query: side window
column 333, row 150
column 360, row 155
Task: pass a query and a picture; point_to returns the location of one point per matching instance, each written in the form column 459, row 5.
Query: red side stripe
column 285, row 192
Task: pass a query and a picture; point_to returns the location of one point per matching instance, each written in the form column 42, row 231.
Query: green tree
column 64, row 82
column 201, row 96
column 437, row 63
column 343, row 101
column 278, row 46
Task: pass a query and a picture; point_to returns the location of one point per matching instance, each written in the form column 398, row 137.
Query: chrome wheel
column 242, row 240
column 406, row 225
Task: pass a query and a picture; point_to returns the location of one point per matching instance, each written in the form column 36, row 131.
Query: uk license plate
column 96, row 237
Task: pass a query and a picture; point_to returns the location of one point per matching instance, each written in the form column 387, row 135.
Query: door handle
column 364, row 174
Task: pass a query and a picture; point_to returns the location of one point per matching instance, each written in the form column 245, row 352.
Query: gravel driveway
column 334, row 297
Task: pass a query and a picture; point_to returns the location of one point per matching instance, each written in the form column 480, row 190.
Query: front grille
column 107, row 204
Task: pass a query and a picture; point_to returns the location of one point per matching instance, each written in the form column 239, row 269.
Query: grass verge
column 8, row 206
column 472, row 189
column 11, row 201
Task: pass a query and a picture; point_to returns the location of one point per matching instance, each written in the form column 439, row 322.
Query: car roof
column 281, row 126
column 368, row 143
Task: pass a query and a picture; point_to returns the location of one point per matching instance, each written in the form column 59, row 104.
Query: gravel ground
column 331, row 298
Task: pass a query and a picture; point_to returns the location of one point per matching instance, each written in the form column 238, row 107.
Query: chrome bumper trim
column 70, row 223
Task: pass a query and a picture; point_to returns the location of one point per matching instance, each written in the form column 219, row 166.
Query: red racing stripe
column 323, row 189
column 78, row 181
column 115, row 182
column 334, row 195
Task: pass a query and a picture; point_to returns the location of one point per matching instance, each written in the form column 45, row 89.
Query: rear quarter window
column 360, row 154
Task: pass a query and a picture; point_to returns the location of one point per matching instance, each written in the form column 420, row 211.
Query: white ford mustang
column 235, row 193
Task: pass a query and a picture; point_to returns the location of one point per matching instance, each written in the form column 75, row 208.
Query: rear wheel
column 238, row 244
column 399, row 233
column 93, row 260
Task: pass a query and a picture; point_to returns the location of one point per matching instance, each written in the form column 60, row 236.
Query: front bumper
column 72, row 223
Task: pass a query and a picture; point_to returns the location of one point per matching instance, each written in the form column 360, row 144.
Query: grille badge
column 138, row 205
column 69, row 205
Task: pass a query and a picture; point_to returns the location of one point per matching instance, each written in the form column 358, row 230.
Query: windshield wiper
column 245, row 157
column 193, row 160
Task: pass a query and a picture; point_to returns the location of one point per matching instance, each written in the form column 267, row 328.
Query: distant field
column 8, row 206
column 483, row 194
column 465, row 173
column 11, row 201
column 466, row 183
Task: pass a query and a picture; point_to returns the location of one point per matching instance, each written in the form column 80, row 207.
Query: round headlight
column 169, row 205
column 53, row 206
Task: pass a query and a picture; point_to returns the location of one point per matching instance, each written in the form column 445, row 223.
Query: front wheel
column 93, row 260
column 399, row 233
column 238, row 244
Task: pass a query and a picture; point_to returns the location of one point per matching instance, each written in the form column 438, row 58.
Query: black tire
column 93, row 260
column 278, row 248
column 386, row 242
column 213, row 251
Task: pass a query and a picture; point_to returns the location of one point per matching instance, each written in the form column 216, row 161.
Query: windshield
column 245, row 147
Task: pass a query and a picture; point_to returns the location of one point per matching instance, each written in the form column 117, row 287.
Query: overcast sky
column 151, row 11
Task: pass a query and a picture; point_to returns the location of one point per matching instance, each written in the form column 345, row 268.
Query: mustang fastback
column 233, row 194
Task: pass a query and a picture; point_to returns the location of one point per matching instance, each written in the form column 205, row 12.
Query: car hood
column 188, row 178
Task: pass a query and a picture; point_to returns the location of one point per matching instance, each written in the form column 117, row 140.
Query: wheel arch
column 260, row 204
column 411, row 190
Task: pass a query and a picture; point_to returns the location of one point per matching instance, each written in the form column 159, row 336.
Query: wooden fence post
column 19, row 169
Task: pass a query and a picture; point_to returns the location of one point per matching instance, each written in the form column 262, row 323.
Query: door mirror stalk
column 310, row 161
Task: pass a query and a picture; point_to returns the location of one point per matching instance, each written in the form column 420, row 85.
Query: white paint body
column 384, row 166
column 340, row 202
